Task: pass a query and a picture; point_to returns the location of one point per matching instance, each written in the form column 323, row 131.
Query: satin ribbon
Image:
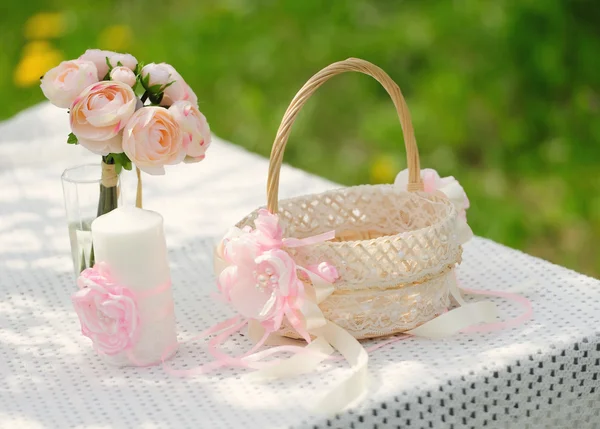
column 299, row 242
column 156, row 291
column 166, row 311
column 354, row 386
column 328, row 337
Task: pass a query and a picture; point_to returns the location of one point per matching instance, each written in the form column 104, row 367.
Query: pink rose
column 99, row 114
column 123, row 74
column 98, row 57
column 62, row 84
column 179, row 90
column 432, row 182
column 108, row 312
column 127, row 60
column 196, row 133
column 157, row 74
column 152, row 139
column 164, row 74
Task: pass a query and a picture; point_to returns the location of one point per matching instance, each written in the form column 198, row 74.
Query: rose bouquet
column 129, row 114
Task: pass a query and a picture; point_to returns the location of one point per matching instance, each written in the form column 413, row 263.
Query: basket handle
column 351, row 64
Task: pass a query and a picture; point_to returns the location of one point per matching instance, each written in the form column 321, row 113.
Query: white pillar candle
column 131, row 242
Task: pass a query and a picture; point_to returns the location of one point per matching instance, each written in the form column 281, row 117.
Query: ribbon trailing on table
column 264, row 284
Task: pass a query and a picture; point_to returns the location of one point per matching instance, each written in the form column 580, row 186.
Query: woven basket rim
column 430, row 197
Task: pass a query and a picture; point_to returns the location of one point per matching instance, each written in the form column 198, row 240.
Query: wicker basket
column 395, row 249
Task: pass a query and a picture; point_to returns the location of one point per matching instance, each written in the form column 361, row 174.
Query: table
column 542, row 374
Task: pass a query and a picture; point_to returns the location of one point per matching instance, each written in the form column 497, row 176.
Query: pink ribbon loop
column 299, row 242
column 525, row 316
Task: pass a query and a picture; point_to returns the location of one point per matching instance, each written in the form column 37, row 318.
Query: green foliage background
column 504, row 94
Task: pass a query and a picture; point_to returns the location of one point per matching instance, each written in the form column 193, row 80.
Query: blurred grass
column 504, row 95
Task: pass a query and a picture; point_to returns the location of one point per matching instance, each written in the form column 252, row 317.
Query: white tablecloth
column 544, row 373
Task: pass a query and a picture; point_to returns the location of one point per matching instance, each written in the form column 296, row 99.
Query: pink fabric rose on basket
column 196, row 133
column 62, row 84
column 261, row 280
column 432, row 182
column 153, row 139
column 108, row 312
column 99, row 114
column 266, row 289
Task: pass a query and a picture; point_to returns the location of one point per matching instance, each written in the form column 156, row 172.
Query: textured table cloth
column 544, row 373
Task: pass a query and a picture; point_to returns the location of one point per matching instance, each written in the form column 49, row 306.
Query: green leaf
column 110, row 67
column 121, row 161
column 119, row 63
column 138, row 68
column 145, row 80
column 72, row 139
column 155, row 89
column 168, row 85
column 118, row 168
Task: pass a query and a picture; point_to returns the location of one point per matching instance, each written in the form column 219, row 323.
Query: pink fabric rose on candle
column 99, row 58
column 195, row 130
column 153, row 139
column 99, row 114
column 432, row 182
column 62, row 84
column 123, row 74
column 107, row 311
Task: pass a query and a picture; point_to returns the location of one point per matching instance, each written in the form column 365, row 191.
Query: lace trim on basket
column 370, row 313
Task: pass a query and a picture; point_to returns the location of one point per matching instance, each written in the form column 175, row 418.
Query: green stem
column 92, row 256
column 107, row 202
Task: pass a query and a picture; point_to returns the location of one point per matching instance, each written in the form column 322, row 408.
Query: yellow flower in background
column 45, row 25
column 37, row 58
column 115, row 38
column 384, row 168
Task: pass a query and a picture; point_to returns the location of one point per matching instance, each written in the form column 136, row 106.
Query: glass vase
column 89, row 190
